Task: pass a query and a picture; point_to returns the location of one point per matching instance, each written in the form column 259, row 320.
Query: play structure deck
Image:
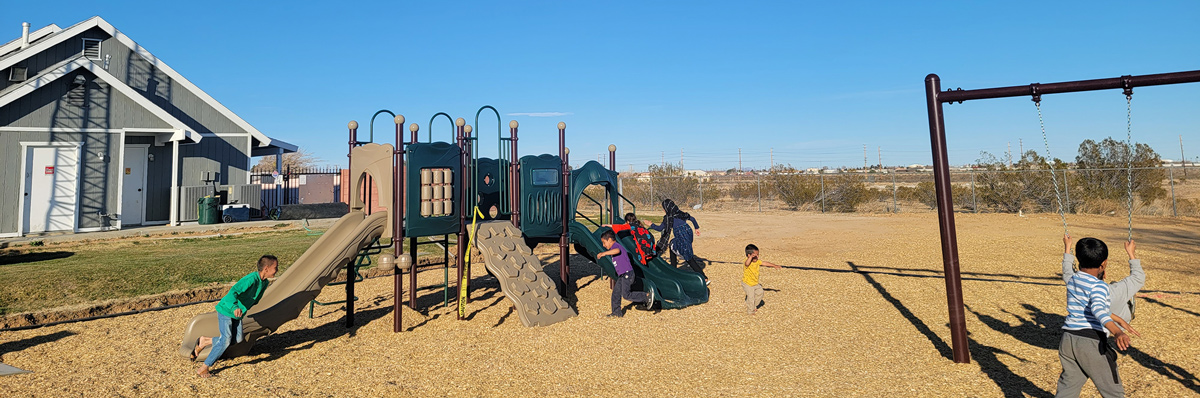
column 433, row 190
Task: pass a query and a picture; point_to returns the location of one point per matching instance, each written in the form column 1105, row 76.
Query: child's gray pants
column 1088, row 357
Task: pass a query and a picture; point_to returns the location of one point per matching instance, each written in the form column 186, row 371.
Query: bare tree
column 301, row 159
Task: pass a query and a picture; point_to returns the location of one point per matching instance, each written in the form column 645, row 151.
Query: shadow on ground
column 18, row 345
column 11, row 258
column 1042, row 329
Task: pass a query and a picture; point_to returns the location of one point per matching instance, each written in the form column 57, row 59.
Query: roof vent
column 24, row 35
column 18, row 74
column 91, row 48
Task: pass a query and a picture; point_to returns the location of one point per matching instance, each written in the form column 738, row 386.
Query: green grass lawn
column 56, row 275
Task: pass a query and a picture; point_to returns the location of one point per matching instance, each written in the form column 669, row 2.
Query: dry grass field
column 858, row 310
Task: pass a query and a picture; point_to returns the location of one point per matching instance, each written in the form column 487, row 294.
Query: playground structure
column 431, row 189
column 935, row 97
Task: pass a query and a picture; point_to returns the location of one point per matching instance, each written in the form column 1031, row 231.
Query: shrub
column 793, row 188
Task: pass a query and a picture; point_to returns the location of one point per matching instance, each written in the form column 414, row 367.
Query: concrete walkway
column 190, row 229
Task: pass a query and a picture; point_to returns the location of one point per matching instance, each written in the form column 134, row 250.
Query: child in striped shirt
column 1084, row 351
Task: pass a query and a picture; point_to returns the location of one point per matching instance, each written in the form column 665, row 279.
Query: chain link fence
column 1157, row 191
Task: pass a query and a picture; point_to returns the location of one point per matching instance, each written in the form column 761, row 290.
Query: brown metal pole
column 945, row 203
column 612, row 166
column 470, row 203
column 412, row 242
column 462, row 204
column 564, row 267
column 350, row 266
column 514, row 180
column 398, row 223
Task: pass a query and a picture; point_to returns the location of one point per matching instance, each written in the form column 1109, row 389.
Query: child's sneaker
column 613, row 316
column 650, row 300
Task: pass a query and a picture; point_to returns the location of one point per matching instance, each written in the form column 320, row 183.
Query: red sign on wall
column 49, row 170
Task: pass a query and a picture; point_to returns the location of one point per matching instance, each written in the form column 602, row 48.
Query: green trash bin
column 208, row 209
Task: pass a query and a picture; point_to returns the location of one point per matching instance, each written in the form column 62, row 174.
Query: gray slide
column 533, row 293
column 287, row 296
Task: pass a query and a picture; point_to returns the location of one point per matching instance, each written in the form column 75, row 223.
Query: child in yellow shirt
column 754, row 291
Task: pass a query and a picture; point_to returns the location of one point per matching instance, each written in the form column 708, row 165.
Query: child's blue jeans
column 230, row 328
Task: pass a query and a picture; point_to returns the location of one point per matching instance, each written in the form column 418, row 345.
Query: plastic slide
column 534, row 295
column 674, row 287
column 288, row 294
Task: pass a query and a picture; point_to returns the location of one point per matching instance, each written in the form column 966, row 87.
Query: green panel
column 423, row 156
column 489, row 177
column 674, row 287
column 594, row 173
column 541, row 196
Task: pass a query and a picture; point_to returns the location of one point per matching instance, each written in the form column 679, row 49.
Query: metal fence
column 298, row 186
column 1158, row 191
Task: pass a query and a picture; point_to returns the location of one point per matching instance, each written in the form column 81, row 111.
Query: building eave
column 182, row 132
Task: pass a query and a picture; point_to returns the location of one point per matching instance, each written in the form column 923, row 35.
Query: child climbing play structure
column 433, row 190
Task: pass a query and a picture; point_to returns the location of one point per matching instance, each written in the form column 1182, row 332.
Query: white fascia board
column 33, row 37
column 83, row 63
column 263, row 140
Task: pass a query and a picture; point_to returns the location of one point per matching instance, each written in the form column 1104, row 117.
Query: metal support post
column 945, row 203
column 564, row 262
column 462, row 203
column 350, row 265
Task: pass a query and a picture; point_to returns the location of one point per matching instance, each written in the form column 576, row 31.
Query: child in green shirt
column 230, row 310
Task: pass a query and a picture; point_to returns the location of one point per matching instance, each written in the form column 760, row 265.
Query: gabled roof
column 64, row 68
column 96, row 22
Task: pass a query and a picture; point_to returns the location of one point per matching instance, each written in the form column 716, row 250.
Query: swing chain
column 1130, row 147
column 1053, row 178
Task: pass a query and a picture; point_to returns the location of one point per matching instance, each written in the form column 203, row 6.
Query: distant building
column 97, row 133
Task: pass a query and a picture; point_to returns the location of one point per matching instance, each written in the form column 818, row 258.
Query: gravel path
column 859, row 310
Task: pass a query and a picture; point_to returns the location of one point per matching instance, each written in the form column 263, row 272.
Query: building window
column 91, row 48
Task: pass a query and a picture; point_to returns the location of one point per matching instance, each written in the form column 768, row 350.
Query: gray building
column 97, row 133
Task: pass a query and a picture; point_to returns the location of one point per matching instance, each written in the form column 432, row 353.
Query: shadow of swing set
column 436, row 189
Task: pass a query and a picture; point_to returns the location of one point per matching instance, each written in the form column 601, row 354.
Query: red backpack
column 643, row 242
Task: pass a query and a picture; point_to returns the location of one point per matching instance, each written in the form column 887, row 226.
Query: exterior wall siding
column 95, row 105
column 226, row 155
column 68, row 49
column 98, row 179
column 167, row 93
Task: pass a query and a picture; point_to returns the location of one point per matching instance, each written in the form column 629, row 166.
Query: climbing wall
column 520, row 273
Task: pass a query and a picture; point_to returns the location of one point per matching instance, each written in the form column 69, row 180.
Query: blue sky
column 811, row 82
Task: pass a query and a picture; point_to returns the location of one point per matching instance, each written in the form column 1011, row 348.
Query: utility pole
column 662, row 158
column 740, row 155
column 681, row 158
column 1008, row 153
column 864, row 158
column 1021, row 143
column 881, row 158
column 772, row 157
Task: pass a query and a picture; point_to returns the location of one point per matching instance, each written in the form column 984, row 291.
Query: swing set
column 935, row 97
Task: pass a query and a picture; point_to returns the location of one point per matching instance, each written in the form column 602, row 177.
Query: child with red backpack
column 642, row 240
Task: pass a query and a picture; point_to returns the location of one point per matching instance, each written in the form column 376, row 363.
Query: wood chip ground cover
column 859, row 310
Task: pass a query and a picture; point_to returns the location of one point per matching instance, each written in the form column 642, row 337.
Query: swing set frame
column 935, row 97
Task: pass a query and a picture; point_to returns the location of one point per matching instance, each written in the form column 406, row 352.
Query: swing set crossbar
column 1128, row 81
column 935, row 97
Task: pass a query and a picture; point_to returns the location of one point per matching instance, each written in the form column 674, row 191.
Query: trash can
column 208, row 213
